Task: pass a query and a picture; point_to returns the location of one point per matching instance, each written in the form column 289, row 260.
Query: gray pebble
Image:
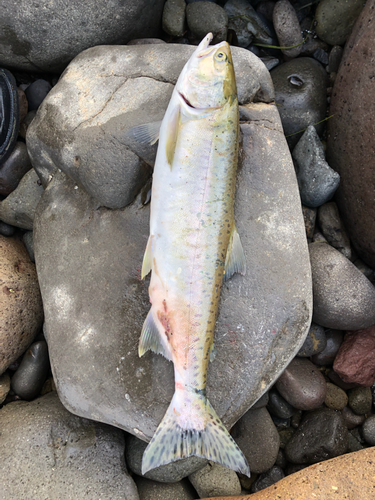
column 351, row 419
column 262, row 401
column 334, row 60
column 327, row 356
column 333, row 229
column 335, row 19
column 302, row 385
column 287, row 28
column 316, row 180
column 257, row 436
column 344, row 299
column 354, row 441
column 360, row 400
column 170, row 473
column 174, row 17
column 14, row 168
column 28, row 380
column 278, row 407
column 215, row 480
column 270, row 62
column 321, row 55
column 6, row 229
column 206, row 17
column 368, row 430
column 336, row 398
column 29, row 244
column 268, row 478
column 315, row 342
column 153, row 490
column 300, row 95
column 321, row 435
column 36, row 93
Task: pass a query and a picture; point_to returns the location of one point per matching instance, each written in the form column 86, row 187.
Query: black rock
column 278, row 406
column 28, row 380
column 268, row 478
column 9, row 113
column 6, row 229
column 14, row 168
column 36, row 93
column 315, row 342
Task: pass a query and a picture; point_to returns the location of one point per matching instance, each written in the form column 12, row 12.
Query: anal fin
column 147, row 259
column 150, row 338
column 235, row 261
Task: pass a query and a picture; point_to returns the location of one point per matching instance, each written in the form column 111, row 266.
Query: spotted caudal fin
column 176, row 437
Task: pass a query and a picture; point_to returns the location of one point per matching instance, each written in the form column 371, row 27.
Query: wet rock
column 335, row 19
column 315, row 342
column 268, row 478
column 14, row 168
column 344, row 298
column 170, row 473
column 36, row 93
column 309, row 215
column 256, row 435
column 207, row 17
column 21, row 309
column 278, row 407
column 47, row 43
column 82, row 123
column 368, row 430
column 47, row 452
column 152, row 490
column 29, row 378
column 351, row 419
column 302, row 385
column 6, row 229
column 355, row 362
column 350, row 136
column 287, row 28
column 18, row 208
column 321, row 435
column 4, row 386
column 300, row 88
column 29, row 244
column 326, row 357
column 360, row 400
column 316, row 180
column 174, row 17
column 336, row 398
column 333, row 229
column 89, row 261
column 335, row 57
column 214, row 480
column 239, row 12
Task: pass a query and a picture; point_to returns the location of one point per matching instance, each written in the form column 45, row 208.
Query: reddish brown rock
column 347, row 477
column 355, row 361
column 21, row 310
column 350, row 144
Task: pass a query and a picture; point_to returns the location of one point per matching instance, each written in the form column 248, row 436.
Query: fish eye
column 221, row 56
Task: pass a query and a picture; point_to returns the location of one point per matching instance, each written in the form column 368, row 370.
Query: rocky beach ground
column 294, row 372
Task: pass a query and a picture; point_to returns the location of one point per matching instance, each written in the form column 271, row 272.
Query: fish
column 192, row 248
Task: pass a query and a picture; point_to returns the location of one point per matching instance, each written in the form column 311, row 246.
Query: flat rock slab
column 89, row 260
column 346, row 477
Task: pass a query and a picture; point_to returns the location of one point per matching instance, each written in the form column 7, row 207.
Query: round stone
column 268, row 478
column 278, row 407
column 352, row 419
column 335, row 19
column 207, row 17
column 326, row 357
column 315, row 342
column 36, row 93
column 215, row 480
column 288, row 30
column 368, row 430
column 360, row 400
column 174, row 17
column 336, row 398
column 14, row 168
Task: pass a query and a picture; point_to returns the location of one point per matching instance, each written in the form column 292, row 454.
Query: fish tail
column 192, row 427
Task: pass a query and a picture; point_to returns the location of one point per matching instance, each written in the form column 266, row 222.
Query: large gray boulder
column 47, row 36
column 89, row 259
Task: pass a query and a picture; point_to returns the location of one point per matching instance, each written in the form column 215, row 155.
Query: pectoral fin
column 150, row 338
column 147, row 133
column 147, row 258
column 172, row 134
column 235, row 261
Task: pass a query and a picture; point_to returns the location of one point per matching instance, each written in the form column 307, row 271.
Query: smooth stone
column 36, row 92
column 14, row 168
column 238, row 12
column 46, row 40
column 355, row 442
column 334, row 59
column 336, row 398
column 315, row 342
column 349, row 476
column 4, row 386
column 281, row 460
column 365, row 269
column 18, row 208
column 262, row 401
column 355, row 361
column 145, row 41
column 335, row 19
column 257, row 436
column 300, row 95
column 321, row 435
column 321, row 55
column 170, row 473
column 333, row 229
column 278, row 407
column 351, row 419
column 21, row 309
column 49, row 453
column 360, row 400
column 281, row 423
column 23, row 104
column 368, row 430
column 174, row 17
column 296, row 419
column 29, row 244
column 327, row 356
column 26, row 123
column 344, row 299
column 6, row 229
column 206, row 17
column 316, row 180
column 214, row 480
column 82, row 123
column 268, row 478
column 152, row 490
column 309, row 216
column 302, row 385
column 30, row 376
column 350, row 136
column 287, row 28
column 89, row 261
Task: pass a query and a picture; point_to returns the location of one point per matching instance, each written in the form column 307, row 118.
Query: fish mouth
column 187, row 101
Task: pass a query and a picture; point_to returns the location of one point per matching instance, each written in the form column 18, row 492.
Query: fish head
column 208, row 79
